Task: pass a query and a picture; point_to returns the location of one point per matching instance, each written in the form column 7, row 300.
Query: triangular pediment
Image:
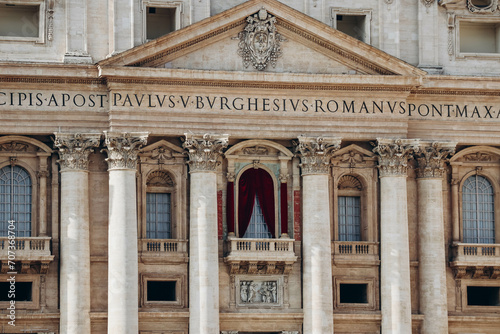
column 307, row 46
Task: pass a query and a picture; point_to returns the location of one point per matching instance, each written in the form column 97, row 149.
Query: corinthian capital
column 393, row 155
column 122, row 148
column 431, row 158
column 74, row 149
column 204, row 151
column 316, row 153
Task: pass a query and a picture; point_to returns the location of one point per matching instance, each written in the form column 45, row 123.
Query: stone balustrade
column 476, row 254
column 345, row 252
column 26, row 248
column 252, row 255
column 163, row 250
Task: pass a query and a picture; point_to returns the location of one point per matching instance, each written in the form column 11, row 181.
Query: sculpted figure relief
column 259, row 292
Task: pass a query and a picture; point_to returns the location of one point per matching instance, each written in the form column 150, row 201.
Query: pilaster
column 74, row 150
column 204, row 152
column 76, row 34
column 122, row 150
column 315, row 155
column 432, row 261
column 395, row 254
column 428, row 41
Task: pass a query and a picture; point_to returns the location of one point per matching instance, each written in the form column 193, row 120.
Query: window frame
column 367, row 13
column 479, row 20
column 371, row 293
column 177, row 5
column 496, row 201
column 180, row 290
column 479, row 283
column 277, row 224
column 34, row 304
column 40, row 39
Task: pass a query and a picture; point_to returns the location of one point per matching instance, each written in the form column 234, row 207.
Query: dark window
column 352, row 25
column 163, row 291
column 483, row 295
column 159, row 21
column 20, row 290
column 353, row 293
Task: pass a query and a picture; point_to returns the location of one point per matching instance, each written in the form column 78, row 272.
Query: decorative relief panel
column 259, row 41
column 259, row 292
column 478, row 157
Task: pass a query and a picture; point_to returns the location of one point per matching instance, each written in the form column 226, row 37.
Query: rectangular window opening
column 18, row 291
column 19, row 20
column 352, row 25
column 480, row 37
column 353, row 293
column 483, row 295
column 159, row 21
column 161, row 291
column 158, row 216
column 349, row 209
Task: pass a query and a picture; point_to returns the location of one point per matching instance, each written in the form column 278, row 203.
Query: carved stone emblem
column 256, row 150
column 259, row 41
column 479, row 157
column 482, row 6
column 14, row 146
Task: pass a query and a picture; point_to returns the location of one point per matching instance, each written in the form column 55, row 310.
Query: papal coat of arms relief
column 260, row 42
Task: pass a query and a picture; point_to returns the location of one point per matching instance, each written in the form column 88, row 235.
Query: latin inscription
column 216, row 103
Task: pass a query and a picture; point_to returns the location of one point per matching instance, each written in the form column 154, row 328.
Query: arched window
column 15, row 200
column 349, row 209
column 478, row 210
column 256, row 209
column 159, row 205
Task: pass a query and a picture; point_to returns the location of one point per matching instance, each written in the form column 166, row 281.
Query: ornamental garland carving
column 432, row 157
column 204, row 151
column 74, row 149
column 14, row 146
column 122, row 148
column 316, row 153
column 259, row 41
column 478, row 157
column 393, row 155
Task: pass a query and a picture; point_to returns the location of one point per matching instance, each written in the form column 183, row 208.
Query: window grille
column 15, row 200
column 257, row 228
column 478, row 210
column 158, row 216
column 349, row 209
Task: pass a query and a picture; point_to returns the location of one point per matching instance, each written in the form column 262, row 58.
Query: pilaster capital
column 204, row 151
column 75, row 148
column 123, row 147
column 431, row 158
column 316, row 153
column 393, row 155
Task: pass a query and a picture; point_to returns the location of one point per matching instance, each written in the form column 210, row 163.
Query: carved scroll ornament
column 259, row 41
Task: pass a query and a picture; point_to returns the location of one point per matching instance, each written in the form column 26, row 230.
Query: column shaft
column 432, row 271
column 317, row 252
column 395, row 293
column 75, row 253
column 204, row 258
column 122, row 255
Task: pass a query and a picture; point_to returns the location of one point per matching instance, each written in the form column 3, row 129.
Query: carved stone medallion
column 482, row 6
column 259, row 41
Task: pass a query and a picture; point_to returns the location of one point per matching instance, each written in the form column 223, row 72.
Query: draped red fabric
column 284, row 208
column 255, row 182
column 230, row 207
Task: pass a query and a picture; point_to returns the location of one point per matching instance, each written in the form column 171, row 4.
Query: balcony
column 163, row 251
column 475, row 260
column 260, row 256
column 355, row 252
column 28, row 252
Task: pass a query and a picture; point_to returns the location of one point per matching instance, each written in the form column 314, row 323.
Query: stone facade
column 367, row 133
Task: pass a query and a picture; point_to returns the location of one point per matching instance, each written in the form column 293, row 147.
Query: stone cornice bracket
column 74, row 149
column 123, row 147
column 431, row 158
column 204, row 151
column 316, row 153
column 393, row 155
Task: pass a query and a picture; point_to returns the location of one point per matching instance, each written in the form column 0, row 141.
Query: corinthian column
column 204, row 152
column 395, row 253
column 432, row 270
column 123, row 281
column 315, row 154
column 74, row 150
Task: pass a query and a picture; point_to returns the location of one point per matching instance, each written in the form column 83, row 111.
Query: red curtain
column 255, row 182
column 284, row 208
column 230, row 207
